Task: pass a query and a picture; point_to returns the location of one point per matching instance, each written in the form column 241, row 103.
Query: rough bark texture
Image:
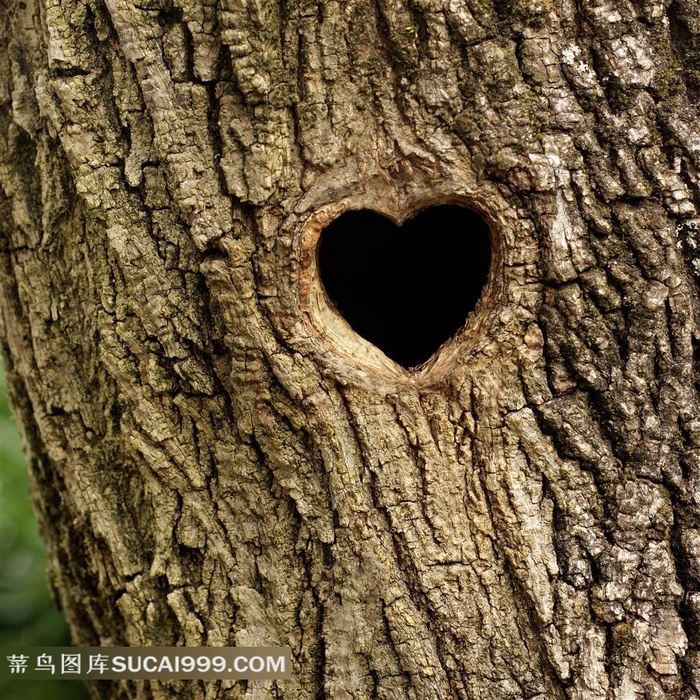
column 219, row 459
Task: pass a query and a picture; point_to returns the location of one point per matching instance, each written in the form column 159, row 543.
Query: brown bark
column 218, row 459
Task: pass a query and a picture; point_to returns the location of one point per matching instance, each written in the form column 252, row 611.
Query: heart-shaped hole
column 409, row 288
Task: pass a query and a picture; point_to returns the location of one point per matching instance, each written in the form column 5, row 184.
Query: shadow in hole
column 406, row 289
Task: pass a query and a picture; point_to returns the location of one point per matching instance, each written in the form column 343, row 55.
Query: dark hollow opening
column 406, row 289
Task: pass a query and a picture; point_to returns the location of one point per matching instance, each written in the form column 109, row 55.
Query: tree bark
column 218, row 459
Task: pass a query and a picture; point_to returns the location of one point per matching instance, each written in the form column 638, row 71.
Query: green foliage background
column 28, row 616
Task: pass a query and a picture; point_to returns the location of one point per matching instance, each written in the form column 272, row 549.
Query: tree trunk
column 219, row 459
